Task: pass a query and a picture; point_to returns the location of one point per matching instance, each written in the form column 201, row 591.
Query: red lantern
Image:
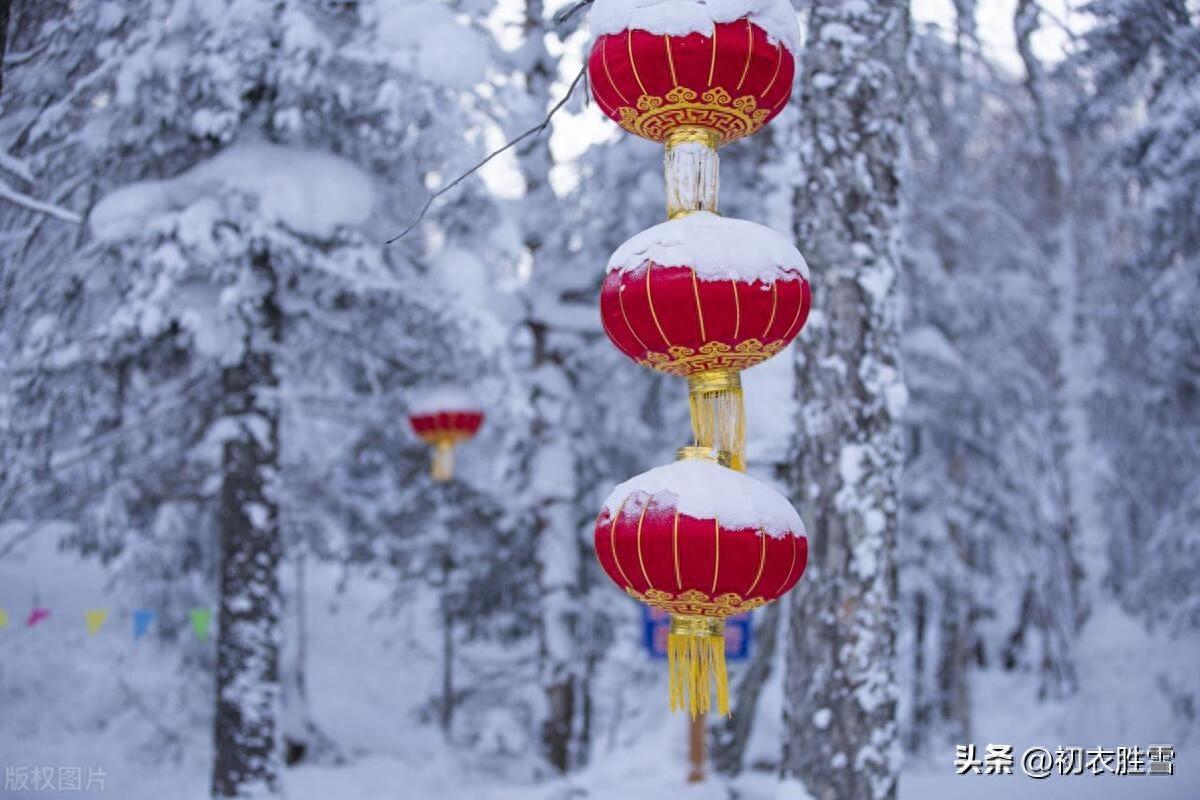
column 731, row 82
column 443, row 420
column 701, row 542
column 703, row 297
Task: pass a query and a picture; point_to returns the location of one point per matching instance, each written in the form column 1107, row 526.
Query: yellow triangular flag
column 3, row 618
column 95, row 618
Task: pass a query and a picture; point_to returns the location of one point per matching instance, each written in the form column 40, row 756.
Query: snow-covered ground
column 70, row 700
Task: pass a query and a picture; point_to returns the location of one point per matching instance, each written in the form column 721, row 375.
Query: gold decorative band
column 697, row 453
column 714, row 381
column 655, row 116
column 686, row 134
column 689, row 625
column 693, row 602
column 685, row 361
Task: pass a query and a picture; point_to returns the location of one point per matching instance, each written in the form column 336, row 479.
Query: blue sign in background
column 656, row 625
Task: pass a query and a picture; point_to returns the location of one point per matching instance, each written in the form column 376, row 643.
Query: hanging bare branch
column 535, row 130
column 563, row 16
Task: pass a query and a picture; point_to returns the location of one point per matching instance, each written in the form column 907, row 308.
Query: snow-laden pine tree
column 228, row 329
column 989, row 571
column 1140, row 61
column 545, row 462
column 840, row 686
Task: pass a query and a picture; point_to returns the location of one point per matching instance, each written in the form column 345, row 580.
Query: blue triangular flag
column 142, row 618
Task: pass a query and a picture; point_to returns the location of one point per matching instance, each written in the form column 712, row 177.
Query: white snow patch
column 792, row 789
column 681, row 17
column 427, row 39
column 850, row 464
column 718, row 248
column 706, row 490
column 309, row 191
column 444, row 398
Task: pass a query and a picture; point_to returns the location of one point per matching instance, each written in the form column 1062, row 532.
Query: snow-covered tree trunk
column 1075, row 455
column 840, row 685
column 5, row 6
column 246, row 759
column 549, row 466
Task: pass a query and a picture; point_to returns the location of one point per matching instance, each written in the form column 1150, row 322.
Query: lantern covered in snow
column 664, row 71
column 443, row 418
column 704, row 297
column 701, row 542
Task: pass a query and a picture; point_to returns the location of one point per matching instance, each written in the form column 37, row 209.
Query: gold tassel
column 695, row 659
column 443, row 459
column 719, row 413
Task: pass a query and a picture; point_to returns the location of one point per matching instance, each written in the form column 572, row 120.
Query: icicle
column 719, row 413
column 443, row 459
column 691, row 168
column 695, row 659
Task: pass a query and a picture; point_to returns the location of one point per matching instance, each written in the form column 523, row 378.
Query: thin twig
column 536, row 129
column 563, row 16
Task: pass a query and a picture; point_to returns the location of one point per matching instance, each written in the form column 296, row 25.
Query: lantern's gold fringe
column 443, row 460
column 719, row 413
column 695, row 659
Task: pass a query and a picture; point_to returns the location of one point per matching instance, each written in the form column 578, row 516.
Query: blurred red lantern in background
column 443, row 420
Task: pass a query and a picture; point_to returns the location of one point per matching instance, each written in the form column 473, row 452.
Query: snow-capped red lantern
column 701, row 542
column 658, row 68
column 693, row 75
column 443, row 418
column 704, row 297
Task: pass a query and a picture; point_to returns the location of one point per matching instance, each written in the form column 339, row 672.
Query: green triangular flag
column 95, row 618
column 201, row 617
column 3, row 618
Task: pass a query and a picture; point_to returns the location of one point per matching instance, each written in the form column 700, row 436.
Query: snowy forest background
column 203, row 332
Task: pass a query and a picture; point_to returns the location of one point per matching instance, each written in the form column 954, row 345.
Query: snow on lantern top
column 681, row 17
column 444, row 399
column 717, row 248
column 706, row 490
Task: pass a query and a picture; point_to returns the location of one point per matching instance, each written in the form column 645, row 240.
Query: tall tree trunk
column 447, row 709
column 1080, row 537
column 841, row 732
column 5, row 8
column 551, row 465
column 247, row 761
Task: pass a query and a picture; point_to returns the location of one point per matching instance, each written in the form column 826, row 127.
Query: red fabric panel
column 722, row 316
column 741, row 552
column 465, row 424
column 633, row 305
column 692, row 55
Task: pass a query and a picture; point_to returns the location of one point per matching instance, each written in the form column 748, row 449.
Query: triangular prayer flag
column 200, row 619
column 142, row 618
column 3, row 618
column 36, row 615
column 95, row 618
